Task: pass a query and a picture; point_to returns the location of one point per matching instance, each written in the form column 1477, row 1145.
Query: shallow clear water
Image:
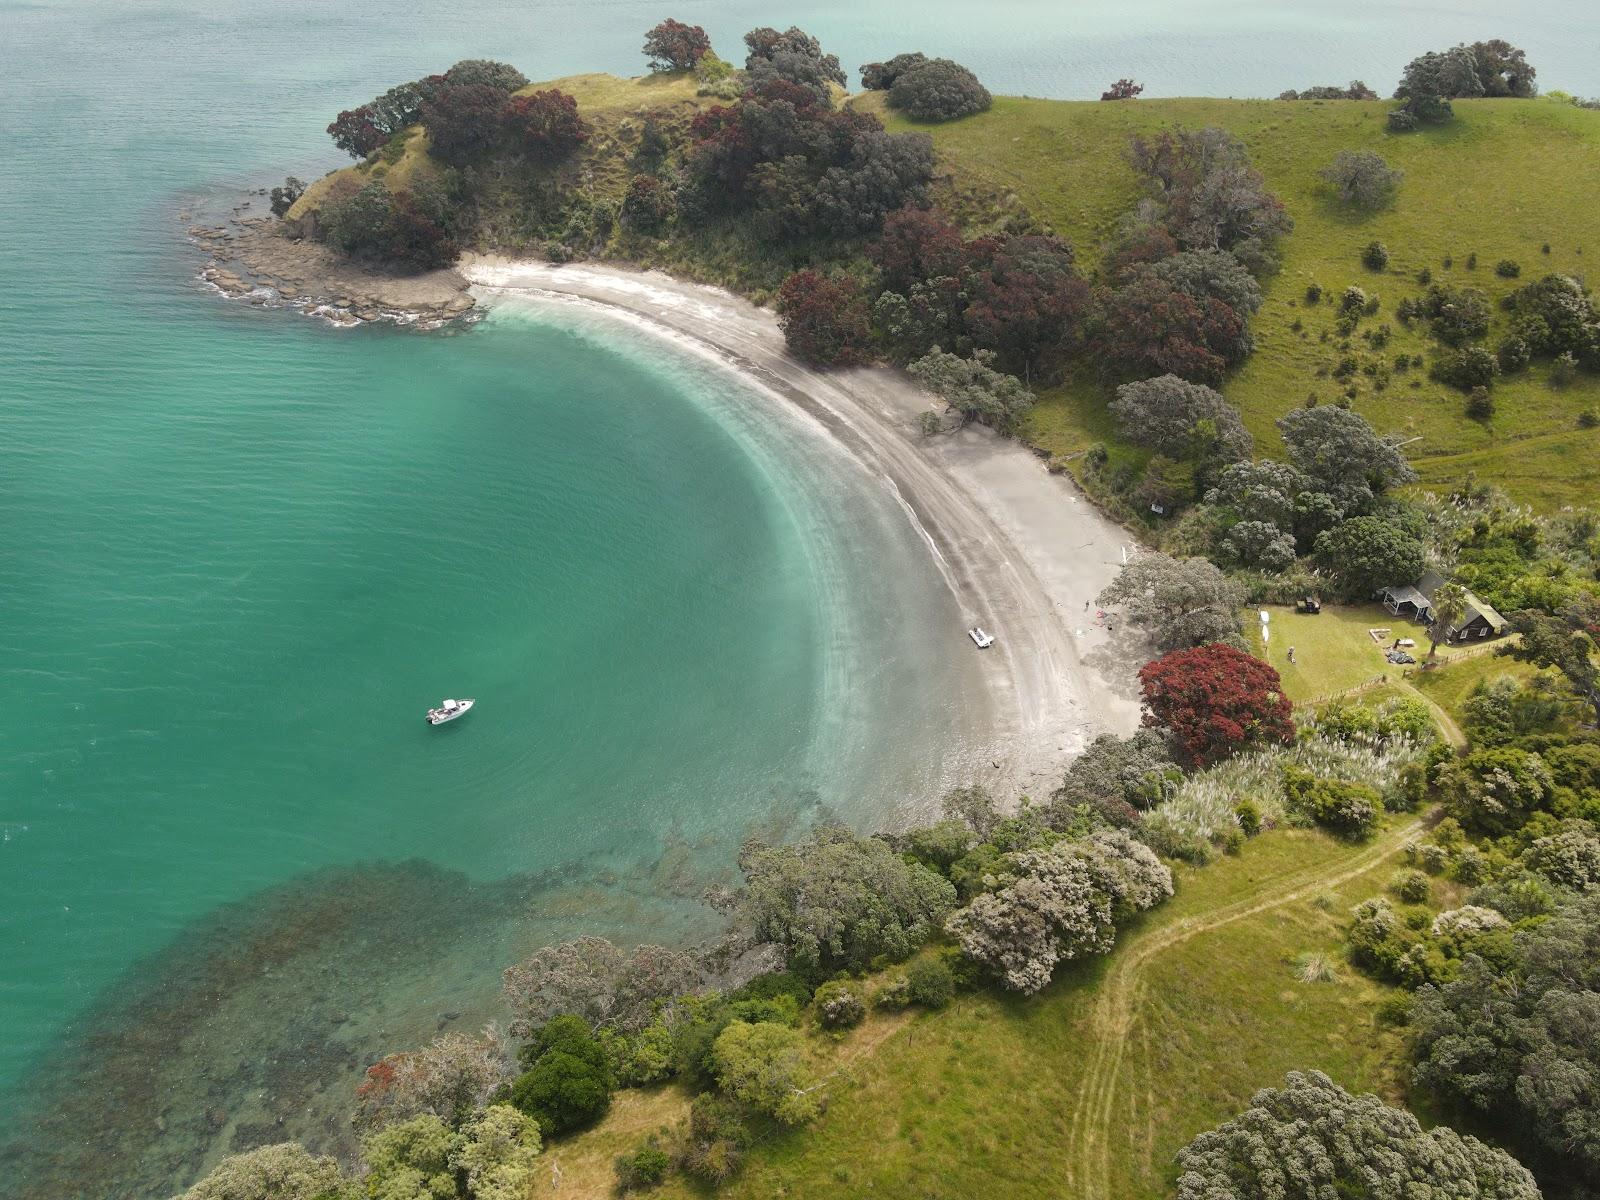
column 241, row 552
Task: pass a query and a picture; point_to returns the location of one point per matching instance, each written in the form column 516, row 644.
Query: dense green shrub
column 766, row 1067
column 648, row 204
column 1347, row 808
column 644, row 1168
column 1411, row 886
column 893, row 994
column 714, row 1146
column 938, row 90
column 1514, row 355
column 1467, row 368
column 931, row 983
column 839, row 1005
column 1508, row 268
column 569, row 1081
column 1375, row 257
column 1248, row 814
column 1480, row 404
column 880, row 76
column 1457, row 315
column 1363, row 179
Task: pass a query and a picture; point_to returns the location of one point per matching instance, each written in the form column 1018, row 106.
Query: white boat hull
column 449, row 711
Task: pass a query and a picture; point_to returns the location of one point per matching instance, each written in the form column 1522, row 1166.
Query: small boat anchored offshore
column 980, row 639
column 449, row 711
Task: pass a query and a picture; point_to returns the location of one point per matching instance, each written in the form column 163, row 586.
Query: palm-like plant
column 1449, row 605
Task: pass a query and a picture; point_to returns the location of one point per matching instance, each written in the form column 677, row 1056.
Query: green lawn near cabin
column 1333, row 649
column 1501, row 181
column 1200, row 1002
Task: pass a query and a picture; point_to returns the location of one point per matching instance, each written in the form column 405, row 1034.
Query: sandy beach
column 1021, row 549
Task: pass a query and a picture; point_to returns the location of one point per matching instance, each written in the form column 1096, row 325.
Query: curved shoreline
column 1021, row 550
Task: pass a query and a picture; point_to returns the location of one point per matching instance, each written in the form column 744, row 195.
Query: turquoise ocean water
column 240, row 552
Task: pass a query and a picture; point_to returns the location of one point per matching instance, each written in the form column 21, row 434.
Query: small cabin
column 1478, row 620
column 1415, row 600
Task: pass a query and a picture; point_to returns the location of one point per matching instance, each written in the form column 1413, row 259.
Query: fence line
column 1366, row 686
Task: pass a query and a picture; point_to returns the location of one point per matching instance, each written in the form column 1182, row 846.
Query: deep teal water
column 239, row 553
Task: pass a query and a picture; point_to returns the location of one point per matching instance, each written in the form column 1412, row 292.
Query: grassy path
column 1122, row 994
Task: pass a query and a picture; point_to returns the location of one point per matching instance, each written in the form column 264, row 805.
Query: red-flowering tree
column 464, row 120
column 648, row 204
column 1026, row 301
column 824, row 319
column 356, row 133
column 416, row 236
column 1146, row 244
column 546, row 124
column 1216, row 700
column 1122, row 89
column 1152, row 328
column 674, row 46
column 917, row 244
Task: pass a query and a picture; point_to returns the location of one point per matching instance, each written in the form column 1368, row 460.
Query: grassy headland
column 1503, row 180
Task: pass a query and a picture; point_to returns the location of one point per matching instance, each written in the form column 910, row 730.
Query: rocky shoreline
column 250, row 257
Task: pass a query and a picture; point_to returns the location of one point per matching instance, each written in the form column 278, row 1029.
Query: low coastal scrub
column 1314, row 779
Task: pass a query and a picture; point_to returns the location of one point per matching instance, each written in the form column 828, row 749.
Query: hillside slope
column 1503, row 180
column 1506, row 180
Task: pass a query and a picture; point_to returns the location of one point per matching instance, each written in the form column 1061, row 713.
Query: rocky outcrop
column 255, row 258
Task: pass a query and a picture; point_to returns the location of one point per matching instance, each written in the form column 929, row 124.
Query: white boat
column 449, row 711
column 981, row 639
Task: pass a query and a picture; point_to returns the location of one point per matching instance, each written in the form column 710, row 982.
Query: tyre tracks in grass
column 1122, row 994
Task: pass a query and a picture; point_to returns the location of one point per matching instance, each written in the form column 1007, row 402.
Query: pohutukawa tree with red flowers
column 545, row 124
column 674, row 46
column 1216, row 700
column 824, row 319
column 356, row 132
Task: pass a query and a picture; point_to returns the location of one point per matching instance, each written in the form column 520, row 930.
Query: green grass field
column 1334, row 651
column 1090, row 1088
column 1501, row 181
column 1449, row 689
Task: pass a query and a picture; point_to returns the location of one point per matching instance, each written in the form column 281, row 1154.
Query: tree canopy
column 1059, row 903
column 1312, row 1140
column 1524, row 1043
column 1342, row 454
column 1181, row 419
column 835, row 899
column 1180, row 602
column 938, row 89
column 1566, row 640
column 285, row 1171
column 1364, row 554
column 597, row 980
column 974, row 390
column 674, row 46
column 1216, row 700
